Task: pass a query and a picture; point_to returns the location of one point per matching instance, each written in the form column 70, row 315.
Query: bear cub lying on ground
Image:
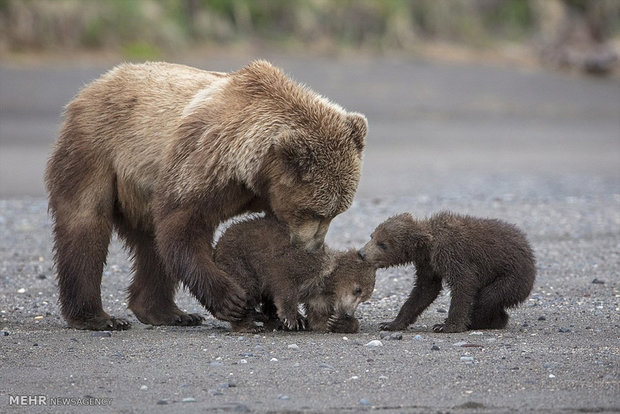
column 278, row 276
column 488, row 265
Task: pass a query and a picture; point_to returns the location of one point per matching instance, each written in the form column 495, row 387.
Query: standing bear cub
column 488, row 265
column 162, row 153
column 278, row 276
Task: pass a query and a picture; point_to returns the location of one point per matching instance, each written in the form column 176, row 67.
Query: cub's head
column 352, row 282
column 396, row 241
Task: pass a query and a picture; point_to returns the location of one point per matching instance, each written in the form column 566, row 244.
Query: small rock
column 467, row 359
column 542, row 318
column 241, row 338
column 243, row 361
column 259, row 348
column 476, row 333
column 293, row 346
column 418, row 337
column 323, row 365
column 283, row 397
column 4, row 333
column 564, row 330
column 384, row 334
column 441, row 310
column 215, row 392
column 163, row 401
column 101, row 334
column 598, row 282
column 215, row 364
column 374, row 343
column 21, row 290
column 460, row 343
column 551, row 376
column 247, row 354
column 274, row 360
column 144, row 388
column 42, row 276
column 188, row 400
column 364, row 401
column 434, row 348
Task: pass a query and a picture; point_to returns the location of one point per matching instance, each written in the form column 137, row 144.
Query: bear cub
column 488, row 265
column 278, row 276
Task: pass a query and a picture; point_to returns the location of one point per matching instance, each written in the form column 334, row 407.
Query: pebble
column 259, row 348
column 215, row 392
column 144, row 388
column 21, row 290
column 188, row 400
column 4, row 333
column 460, row 343
column 441, row 310
column 323, row 365
column 274, row 360
column 293, row 346
column 215, row 364
column 101, row 334
column 434, row 348
column 467, row 359
column 598, row 282
column 374, row 343
column 476, row 333
column 283, row 397
column 564, row 330
column 396, row 336
column 418, row 337
column 163, row 401
column 42, row 276
column 243, row 361
column 364, row 401
column 542, row 318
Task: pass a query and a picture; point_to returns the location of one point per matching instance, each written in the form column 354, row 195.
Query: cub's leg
column 343, row 324
column 490, row 303
column 286, row 302
column 425, row 291
column 152, row 290
column 463, row 294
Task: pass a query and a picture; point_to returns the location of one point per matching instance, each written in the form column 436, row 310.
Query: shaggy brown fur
column 163, row 153
column 488, row 265
column 258, row 254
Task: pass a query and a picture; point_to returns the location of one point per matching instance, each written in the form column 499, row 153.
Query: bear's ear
column 358, row 128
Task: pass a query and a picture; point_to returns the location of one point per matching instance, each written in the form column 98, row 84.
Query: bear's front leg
column 184, row 240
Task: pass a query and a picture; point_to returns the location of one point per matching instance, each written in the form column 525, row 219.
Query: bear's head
column 350, row 283
column 314, row 161
column 398, row 240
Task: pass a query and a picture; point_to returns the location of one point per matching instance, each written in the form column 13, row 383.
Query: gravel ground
column 560, row 351
column 536, row 149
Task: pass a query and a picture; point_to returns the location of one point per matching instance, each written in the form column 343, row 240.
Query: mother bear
column 163, row 153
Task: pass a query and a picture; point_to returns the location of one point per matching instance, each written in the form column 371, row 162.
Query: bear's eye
column 382, row 245
column 357, row 291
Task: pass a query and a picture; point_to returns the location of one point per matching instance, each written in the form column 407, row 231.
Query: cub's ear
column 358, row 128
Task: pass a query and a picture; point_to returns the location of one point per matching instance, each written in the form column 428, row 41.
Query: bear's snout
column 361, row 254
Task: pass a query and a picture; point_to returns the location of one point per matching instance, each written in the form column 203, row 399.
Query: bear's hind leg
column 152, row 290
column 81, row 245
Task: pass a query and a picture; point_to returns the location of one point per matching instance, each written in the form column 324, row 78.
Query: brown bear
column 488, row 265
column 162, row 153
column 278, row 277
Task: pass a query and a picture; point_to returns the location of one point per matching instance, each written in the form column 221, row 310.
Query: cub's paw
column 299, row 323
column 101, row 323
column 392, row 326
column 343, row 324
column 448, row 328
column 188, row 319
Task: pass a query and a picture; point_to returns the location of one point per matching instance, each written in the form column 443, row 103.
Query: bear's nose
column 360, row 253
